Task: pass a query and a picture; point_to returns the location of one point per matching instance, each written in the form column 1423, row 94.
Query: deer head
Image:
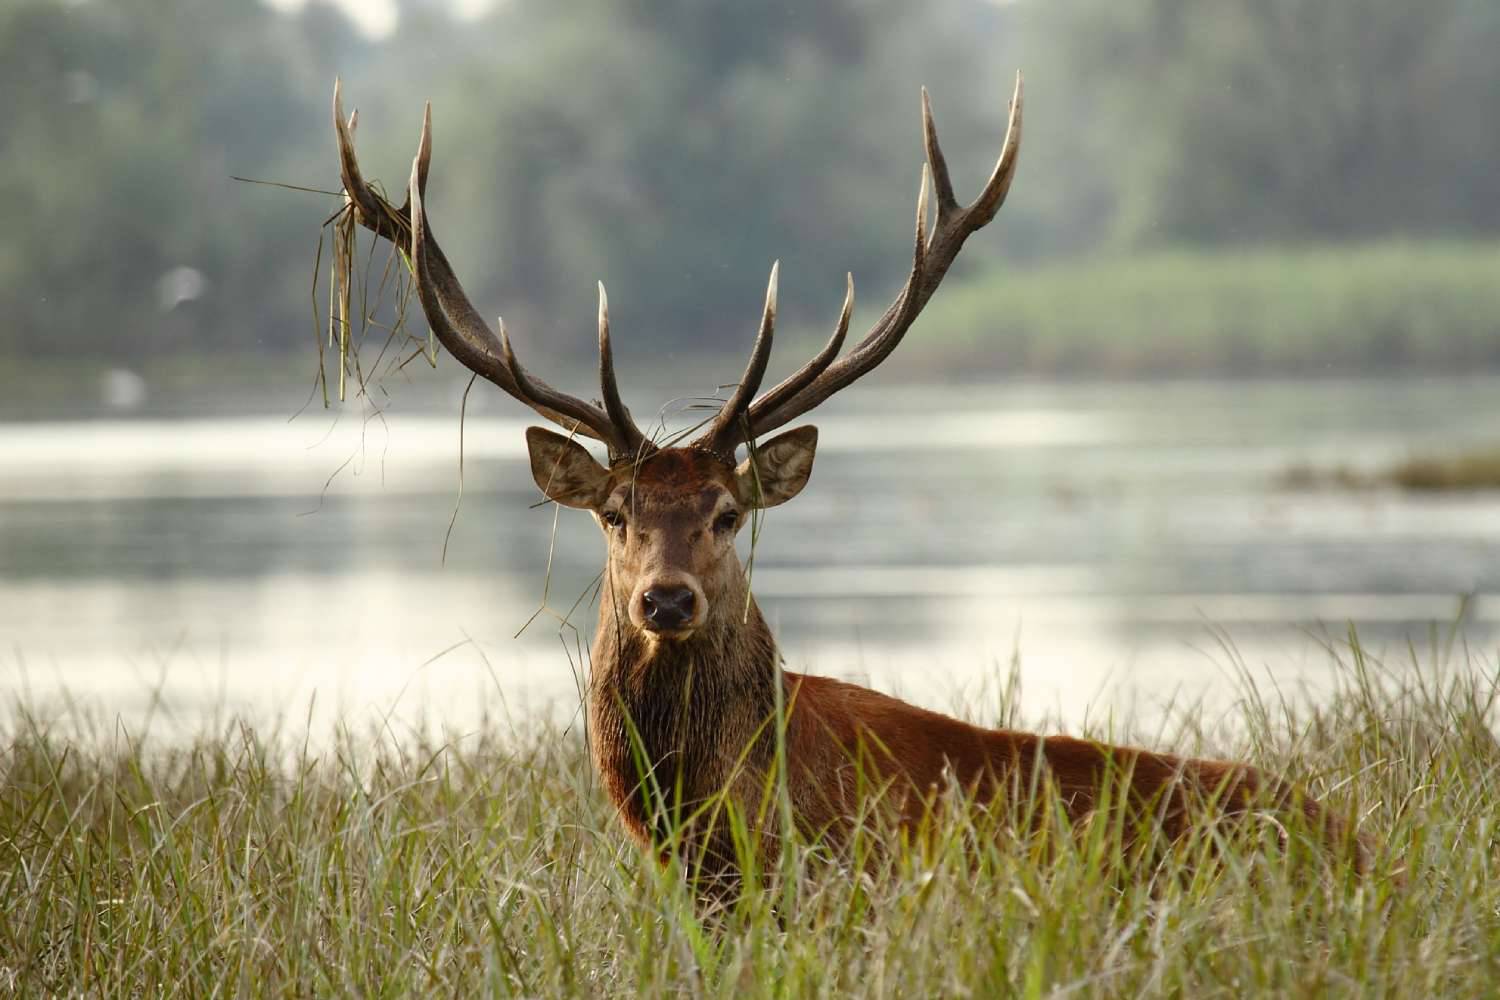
column 670, row 519
column 670, row 513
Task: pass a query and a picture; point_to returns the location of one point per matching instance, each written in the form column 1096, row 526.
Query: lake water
column 1120, row 540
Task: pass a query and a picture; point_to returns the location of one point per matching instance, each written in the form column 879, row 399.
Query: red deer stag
column 685, row 671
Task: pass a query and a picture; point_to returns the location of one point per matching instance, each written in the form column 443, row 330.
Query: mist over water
column 1129, row 543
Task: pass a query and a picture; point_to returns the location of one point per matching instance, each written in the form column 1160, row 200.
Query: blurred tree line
column 674, row 149
column 1233, row 121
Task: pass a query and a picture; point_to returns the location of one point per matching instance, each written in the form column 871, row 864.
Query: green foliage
column 117, row 142
column 1287, row 310
column 675, row 149
column 1226, row 121
column 251, row 863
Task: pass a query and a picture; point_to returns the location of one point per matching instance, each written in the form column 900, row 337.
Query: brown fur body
column 682, row 720
column 695, row 718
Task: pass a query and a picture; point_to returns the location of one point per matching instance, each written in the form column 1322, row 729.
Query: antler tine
column 728, row 428
column 802, row 377
column 931, row 258
column 947, row 200
column 998, row 186
column 373, row 211
column 909, row 304
column 630, row 435
column 424, row 153
column 572, row 413
column 512, row 363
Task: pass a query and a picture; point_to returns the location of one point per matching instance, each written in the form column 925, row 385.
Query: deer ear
column 777, row 470
column 565, row 471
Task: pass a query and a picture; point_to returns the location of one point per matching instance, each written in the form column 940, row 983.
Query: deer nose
column 667, row 607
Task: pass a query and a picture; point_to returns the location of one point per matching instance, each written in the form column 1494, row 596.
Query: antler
column 453, row 318
column 741, row 420
column 725, row 429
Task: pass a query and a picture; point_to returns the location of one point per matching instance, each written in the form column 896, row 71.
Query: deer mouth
column 679, row 634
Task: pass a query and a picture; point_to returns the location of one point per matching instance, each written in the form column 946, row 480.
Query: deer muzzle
column 667, row 608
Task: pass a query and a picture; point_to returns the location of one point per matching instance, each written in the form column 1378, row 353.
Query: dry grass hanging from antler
column 344, row 331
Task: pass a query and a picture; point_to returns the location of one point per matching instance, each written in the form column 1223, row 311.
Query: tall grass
column 1274, row 310
column 256, row 862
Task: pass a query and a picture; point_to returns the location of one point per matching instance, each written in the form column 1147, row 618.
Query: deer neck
column 695, row 710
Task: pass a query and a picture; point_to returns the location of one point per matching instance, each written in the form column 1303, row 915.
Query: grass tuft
column 1476, row 469
column 1472, row 470
column 252, row 861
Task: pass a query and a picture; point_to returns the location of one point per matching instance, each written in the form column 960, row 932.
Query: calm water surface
column 1120, row 540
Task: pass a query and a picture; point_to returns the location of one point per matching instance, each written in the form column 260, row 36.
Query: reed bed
column 279, row 861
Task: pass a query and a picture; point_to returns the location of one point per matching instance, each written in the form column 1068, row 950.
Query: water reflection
column 1104, row 534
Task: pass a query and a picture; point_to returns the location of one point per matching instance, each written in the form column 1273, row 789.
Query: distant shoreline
column 1315, row 310
column 1319, row 311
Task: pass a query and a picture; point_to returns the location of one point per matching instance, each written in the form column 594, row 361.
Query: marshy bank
column 1477, row 468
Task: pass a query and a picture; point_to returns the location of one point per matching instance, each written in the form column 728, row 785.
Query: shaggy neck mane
column 689, row 710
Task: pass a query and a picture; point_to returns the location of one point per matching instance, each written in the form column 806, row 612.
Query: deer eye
column 726, row 521
column 612, row 518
